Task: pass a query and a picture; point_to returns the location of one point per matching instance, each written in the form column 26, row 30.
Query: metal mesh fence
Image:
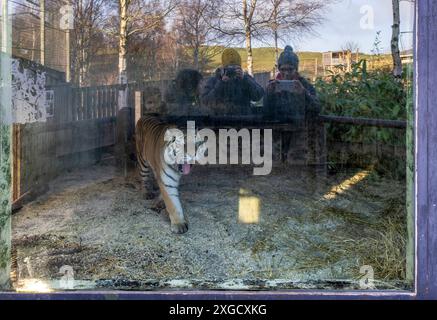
column 27, row 29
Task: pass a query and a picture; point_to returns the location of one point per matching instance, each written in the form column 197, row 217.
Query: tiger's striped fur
column 155, row 172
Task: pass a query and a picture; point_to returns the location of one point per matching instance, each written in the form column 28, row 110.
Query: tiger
column 161, row 179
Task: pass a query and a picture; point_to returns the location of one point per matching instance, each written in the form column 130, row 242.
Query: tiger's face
column 177, row 156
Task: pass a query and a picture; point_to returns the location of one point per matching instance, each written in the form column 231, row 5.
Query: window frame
column 425, row 198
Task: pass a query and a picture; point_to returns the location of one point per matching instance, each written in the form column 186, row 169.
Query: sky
column 344, row 23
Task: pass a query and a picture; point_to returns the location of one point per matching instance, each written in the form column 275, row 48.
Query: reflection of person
column 185, row 88
column 290, row 95
column 231, row 88
column 300, row 97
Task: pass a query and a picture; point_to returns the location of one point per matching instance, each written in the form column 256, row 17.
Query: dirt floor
column 291, row 229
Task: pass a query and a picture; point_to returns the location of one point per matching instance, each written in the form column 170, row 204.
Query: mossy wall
column 5, row 147
column 5, row 205
column 410, row 143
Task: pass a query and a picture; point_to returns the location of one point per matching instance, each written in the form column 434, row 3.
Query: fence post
column 124, row 120
column 122, row 92
column 105, row 106
column 114, row 102
column 138, row 110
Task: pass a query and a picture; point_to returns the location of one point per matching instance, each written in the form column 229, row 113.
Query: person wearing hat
column 292, row 96
column 230, row 90
column 299, row 99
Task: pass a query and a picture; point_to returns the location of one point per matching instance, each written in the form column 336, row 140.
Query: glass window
column 145, row 154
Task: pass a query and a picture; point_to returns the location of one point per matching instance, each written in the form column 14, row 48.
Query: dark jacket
column 233, row 96
column 299, row 106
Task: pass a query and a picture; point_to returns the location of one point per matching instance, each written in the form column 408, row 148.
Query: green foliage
column 5, row 205
column 364, row 94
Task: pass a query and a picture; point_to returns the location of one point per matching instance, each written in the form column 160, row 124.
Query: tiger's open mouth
column 184, row 168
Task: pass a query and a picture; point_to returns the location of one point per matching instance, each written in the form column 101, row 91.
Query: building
column 332, row 60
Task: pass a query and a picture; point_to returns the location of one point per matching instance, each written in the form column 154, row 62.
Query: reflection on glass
column 346, row 184
column 248, row 208
column 91, row 212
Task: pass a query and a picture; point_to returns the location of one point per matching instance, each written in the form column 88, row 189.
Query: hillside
column 264, row 59
column 310, row 65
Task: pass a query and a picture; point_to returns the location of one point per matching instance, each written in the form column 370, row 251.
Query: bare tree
column 123, row 7
column 136, row 17
column 264, row 19
column 243, row 22
column 248, row 18
column 193, row 29
column 397, row 62
column 155, row 54
column 289, row 18
column 351, row 46
column 86, row 36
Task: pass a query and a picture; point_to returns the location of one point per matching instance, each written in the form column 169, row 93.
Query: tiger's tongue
column 186, row 168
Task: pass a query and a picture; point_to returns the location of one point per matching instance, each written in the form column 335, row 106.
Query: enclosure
column 335, row 212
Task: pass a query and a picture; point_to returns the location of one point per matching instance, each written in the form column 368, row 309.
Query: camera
column 291, row 86
column 230, row 72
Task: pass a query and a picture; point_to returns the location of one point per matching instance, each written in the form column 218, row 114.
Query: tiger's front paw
column 179, row 228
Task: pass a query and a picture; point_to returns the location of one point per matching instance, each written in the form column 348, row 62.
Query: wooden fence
column 83, row 122
column 82, row 125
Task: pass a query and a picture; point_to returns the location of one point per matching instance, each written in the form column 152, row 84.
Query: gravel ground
column 99, row 223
